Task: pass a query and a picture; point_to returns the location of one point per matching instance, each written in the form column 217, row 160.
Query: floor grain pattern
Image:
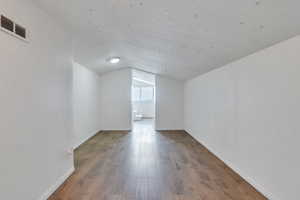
column 147, row 165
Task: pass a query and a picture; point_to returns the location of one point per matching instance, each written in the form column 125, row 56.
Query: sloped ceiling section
column 177, row 38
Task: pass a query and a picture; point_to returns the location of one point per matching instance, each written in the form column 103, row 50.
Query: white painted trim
column 86, row 139
column 57, row 184
column 247, row 178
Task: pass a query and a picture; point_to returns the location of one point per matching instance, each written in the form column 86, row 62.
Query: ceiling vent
column 9, row 26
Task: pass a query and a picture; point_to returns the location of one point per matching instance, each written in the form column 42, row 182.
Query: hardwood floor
column 146, row 165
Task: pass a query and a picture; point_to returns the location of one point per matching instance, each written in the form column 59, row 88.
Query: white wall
column 86, row 103
column 248, row 114
column 35, row 108
column 116, row 100
column 169, row 104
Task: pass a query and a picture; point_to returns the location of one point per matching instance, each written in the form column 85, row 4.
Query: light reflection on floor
column 144, row 147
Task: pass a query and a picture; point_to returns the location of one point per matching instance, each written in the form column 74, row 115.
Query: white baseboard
column 247, row 178
column 257, row 186
column 57, row 184
column 86, row 139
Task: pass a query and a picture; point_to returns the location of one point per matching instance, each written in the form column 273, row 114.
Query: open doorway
column 143, row 99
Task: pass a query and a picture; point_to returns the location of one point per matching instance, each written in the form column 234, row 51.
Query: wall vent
column 7, row 24
column 14, row 29
column 20, row 31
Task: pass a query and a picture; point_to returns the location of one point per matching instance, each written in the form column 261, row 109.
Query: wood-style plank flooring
column 147, row 165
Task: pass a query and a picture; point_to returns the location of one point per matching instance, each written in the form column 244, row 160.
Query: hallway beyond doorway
column 143, row 98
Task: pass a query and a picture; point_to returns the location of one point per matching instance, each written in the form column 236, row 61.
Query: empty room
column 149, row 100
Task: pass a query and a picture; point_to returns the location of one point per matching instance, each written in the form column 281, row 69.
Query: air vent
column 14, row 29
column 20, row 31
column 7, row 24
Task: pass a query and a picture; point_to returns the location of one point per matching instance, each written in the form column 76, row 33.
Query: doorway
column 143, row 99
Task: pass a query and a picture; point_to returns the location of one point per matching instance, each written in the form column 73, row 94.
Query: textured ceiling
column 176, row 38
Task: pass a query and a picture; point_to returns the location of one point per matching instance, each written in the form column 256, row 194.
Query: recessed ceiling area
column 175, row 38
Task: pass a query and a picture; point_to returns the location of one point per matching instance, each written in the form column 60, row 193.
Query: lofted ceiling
column 176, row 38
